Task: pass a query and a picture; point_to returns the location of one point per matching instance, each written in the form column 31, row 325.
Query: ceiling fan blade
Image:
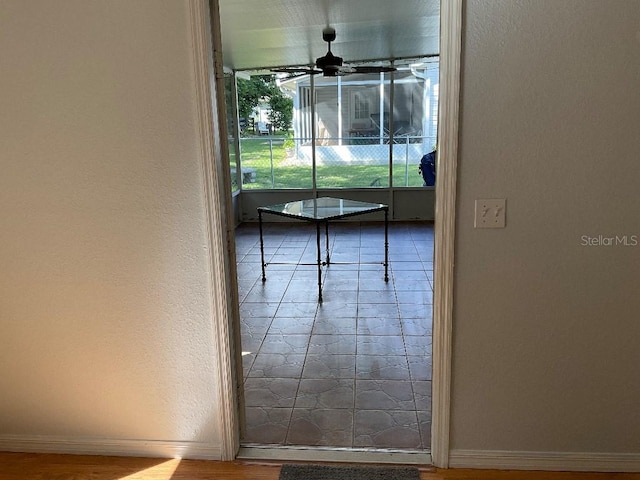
column 303, row 70
column 292, row 76
column 371, row 69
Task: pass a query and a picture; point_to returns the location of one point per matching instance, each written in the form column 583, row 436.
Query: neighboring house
column 355, row 110
column 359, row 105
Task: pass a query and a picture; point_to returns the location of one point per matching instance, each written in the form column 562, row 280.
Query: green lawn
column 256, row 153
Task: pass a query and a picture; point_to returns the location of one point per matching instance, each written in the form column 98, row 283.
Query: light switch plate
column 490, row 213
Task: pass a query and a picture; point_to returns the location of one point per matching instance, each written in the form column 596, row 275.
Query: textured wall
column 545, row 328
column 105, row 322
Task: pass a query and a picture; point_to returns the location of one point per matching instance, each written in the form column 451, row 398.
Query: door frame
column 207, row 57
column 445, row 217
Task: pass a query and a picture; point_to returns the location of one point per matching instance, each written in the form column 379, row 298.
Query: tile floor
column 355, row 370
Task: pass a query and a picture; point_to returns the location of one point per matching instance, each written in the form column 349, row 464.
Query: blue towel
column 428, row 169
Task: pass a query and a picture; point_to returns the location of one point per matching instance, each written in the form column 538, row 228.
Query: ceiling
column 261, row 34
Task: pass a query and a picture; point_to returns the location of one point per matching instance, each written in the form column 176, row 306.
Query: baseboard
column 115, row 447
column 334, row 454
column 551, row 461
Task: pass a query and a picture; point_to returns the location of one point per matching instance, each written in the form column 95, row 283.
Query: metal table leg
column 264, row 277
column 326, row 227
column 319, row 262
column 386, row 245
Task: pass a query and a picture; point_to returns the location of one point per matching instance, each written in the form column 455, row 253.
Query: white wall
column 105, row 319
column 545, row 329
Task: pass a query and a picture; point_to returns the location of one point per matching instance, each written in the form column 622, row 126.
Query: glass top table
column 321, row 211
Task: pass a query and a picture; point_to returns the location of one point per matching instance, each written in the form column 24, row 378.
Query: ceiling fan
column 330, row 65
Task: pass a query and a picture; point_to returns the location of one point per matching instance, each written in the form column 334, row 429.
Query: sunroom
column 359, row 136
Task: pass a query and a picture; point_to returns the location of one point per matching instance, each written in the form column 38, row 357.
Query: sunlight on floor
column 163, row 471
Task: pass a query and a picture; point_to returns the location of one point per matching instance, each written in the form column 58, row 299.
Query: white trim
column 450, row 48
column 327, row 454
column 109, row 446
column 552, row 461
column 217, row 205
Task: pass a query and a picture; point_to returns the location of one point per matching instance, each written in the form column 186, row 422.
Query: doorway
column 451, row 15
column 355, row 370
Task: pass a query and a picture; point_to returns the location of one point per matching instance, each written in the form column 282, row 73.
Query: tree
column 250, row 92
column 264, row 88
column 281, row 115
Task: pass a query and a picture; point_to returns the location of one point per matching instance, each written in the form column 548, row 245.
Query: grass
column 258, row 151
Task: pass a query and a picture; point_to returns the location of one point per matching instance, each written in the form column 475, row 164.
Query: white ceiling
column 257, row 34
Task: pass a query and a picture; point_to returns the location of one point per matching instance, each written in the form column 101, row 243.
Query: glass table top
column 323, row 208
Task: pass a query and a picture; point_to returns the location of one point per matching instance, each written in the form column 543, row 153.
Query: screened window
column 352, row 131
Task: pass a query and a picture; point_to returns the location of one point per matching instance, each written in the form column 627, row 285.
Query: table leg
column 264, row 277
column 319, row 262
column 386, row 245
column 326, row 227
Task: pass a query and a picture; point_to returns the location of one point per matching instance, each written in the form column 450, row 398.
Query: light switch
column 491, row 213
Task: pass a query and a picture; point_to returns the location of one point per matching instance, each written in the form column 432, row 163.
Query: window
column 360, row 106
column 229, row 96
column 364, row 124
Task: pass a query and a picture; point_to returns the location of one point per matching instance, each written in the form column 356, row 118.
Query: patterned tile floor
column 355, row 370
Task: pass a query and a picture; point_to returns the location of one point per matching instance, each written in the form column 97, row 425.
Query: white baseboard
column 334, row 454
column 106, row 446
column 556, row 461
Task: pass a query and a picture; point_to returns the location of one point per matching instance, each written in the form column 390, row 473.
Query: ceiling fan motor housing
column 329, row 62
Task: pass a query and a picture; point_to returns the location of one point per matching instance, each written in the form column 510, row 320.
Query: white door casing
column 205, row 73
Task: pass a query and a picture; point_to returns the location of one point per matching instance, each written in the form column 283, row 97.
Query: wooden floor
column 14, row 466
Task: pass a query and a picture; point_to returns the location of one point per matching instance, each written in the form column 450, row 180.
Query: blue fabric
column 428, row 169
